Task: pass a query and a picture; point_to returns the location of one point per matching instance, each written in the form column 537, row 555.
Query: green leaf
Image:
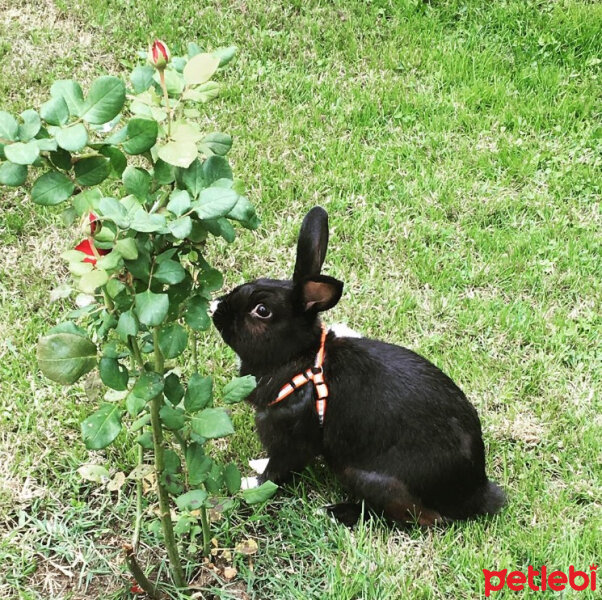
column 172, row 418
column 113, row 374
column 222, row 228
column 117, row 158
column 203, row 93
column 92, row 170
column 22, row 154
column 105, row 100
column 134, row 404
column 211, row 280
column 91, row 281
column 61, row 159
column 68, row 327
column 192, row 500
column 87, row 201
column 9, row 128
column 261, row 493
column 192, row 49
column 55, row 111
column 111, row 262
column 212, row 423
column 174, row 390
column 127, row 325
column 232, row 478
column 172, row 462
column 118, row 137
column 141, row 135
column 146, row 440
column 141, row 422
column 137, row 181
column 178, row 154
column 149, row 385
column 244, row 212
column 180, row 228
column 73, row 138
column 215, row 168
column 170, row 271
column 71, row 92
column 13, row 175
column 200, row 68
column 65, row 357
column 95, row 473
column 47, row 144
column 101, row 428
column 199, row 393
column 142, row 78
column 216, row 143
column 179, row 202
column 239, row 388
column 185, row 131
column 196, row 315
column 127, row 248
column 145, row 222
column 215, row 202
column 115, row 287
column 152, row 308
column 174, row 83
column 225, row 55
column 173, row 340
column 115, row 211
column 164, row 173
column 51, row 188
column 31, row 125
column 193, row 178
column 198, row 463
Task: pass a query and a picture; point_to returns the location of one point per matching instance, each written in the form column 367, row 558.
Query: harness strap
column 316, row 375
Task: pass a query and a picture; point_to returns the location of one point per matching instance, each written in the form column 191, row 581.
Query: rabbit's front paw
column 248, row 483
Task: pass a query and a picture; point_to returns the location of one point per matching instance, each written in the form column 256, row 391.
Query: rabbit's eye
column 261, row 311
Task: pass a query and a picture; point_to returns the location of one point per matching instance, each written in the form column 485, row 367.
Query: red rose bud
column 87, row 248
column 95, row 224
column 158, row 54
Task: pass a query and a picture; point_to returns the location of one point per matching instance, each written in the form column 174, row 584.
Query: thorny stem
column 206, row 532
column 166, row 98
column 164, row 506
column 138, row 573
column 133, row 344
column 138, row 521
column 195, row 354
column 108, row 300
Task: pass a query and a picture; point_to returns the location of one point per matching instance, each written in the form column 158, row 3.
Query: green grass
column 456, row 146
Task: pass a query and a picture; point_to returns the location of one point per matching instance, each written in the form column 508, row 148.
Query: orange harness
column 314, row 374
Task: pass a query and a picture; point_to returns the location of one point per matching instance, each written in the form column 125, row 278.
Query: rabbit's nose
column 213, row 307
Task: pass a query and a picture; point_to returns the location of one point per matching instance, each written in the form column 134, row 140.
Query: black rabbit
column 397, row 431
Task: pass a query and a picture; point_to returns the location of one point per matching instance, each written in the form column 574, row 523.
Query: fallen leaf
column 247, row 547
column 117, row 482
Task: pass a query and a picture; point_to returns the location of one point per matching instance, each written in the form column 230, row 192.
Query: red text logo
column 555, row 581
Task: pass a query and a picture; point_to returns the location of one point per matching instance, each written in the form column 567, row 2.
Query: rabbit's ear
column 312, row 244
column 320, row 293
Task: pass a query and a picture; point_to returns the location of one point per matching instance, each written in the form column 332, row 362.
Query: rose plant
column 149, row 189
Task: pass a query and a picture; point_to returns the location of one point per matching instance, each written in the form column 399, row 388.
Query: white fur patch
column 248, row 483
column 341, row 330
column 258, row 465
column 213, row 307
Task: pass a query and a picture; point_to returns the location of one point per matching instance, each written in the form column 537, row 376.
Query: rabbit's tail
column 493, row 498
column 486, row 500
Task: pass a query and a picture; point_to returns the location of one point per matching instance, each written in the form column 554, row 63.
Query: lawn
column 457, row 147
